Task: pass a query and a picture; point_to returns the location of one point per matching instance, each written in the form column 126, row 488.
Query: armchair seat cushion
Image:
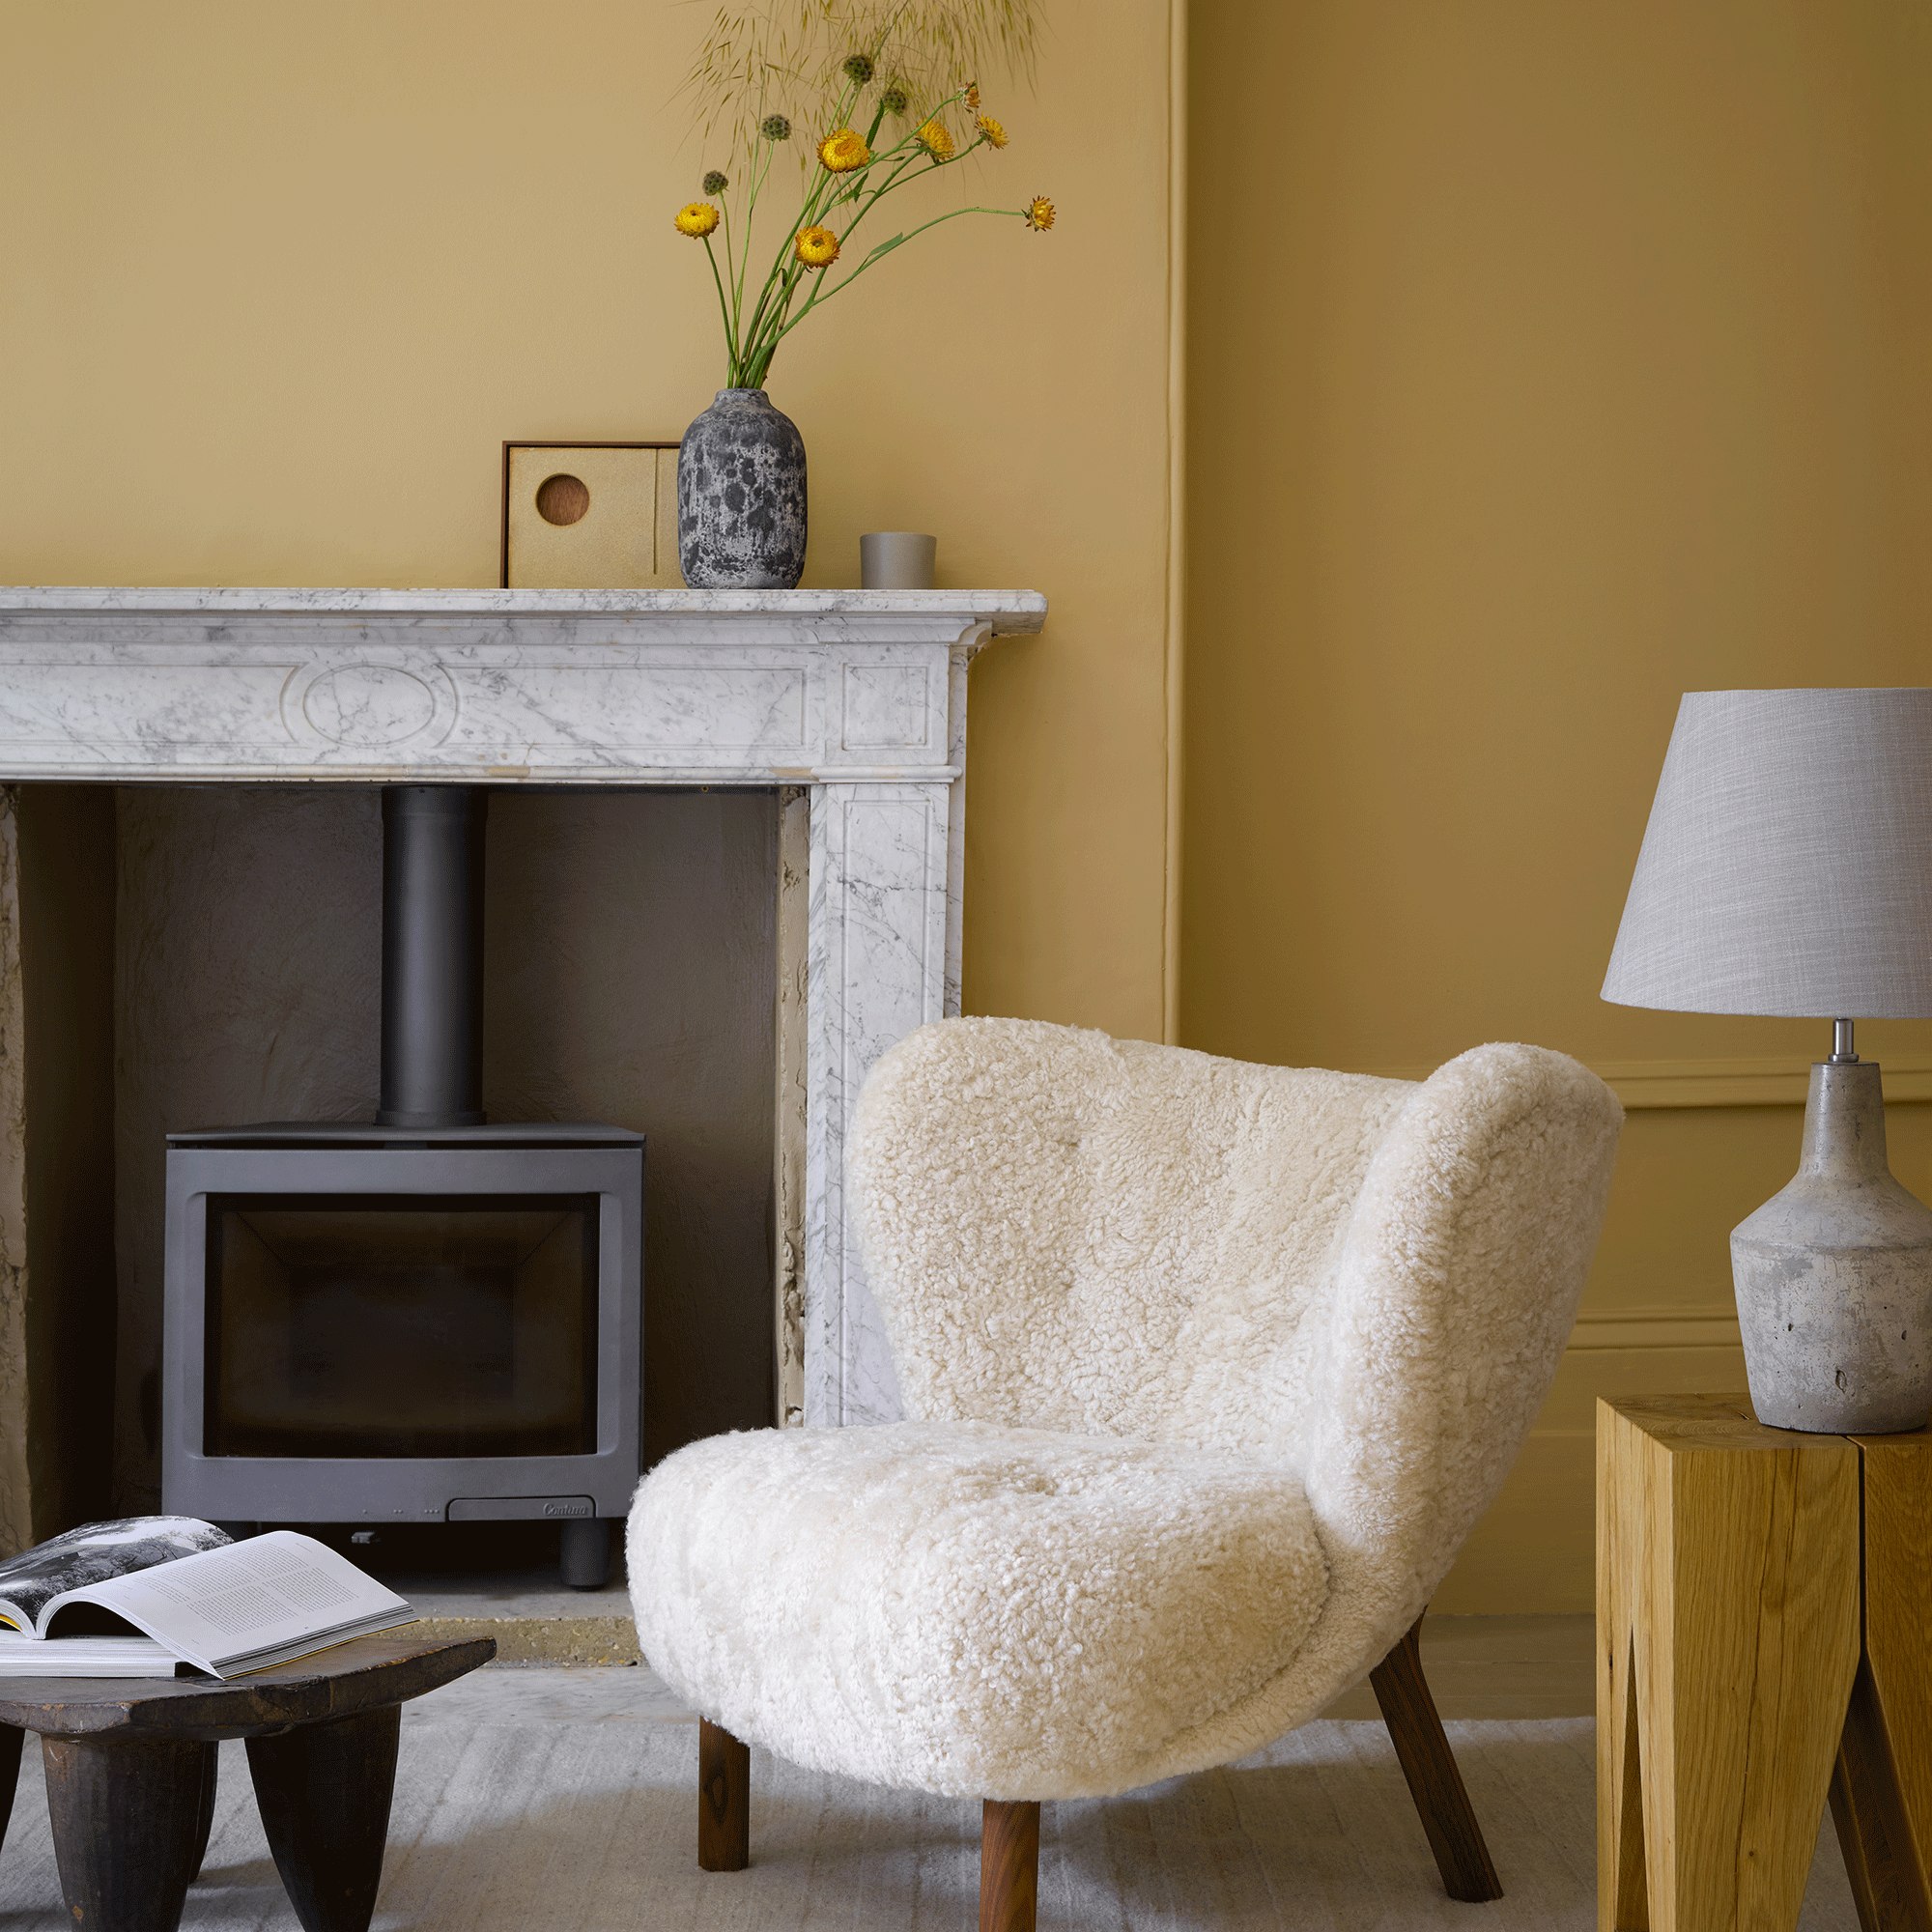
column 971, row 1610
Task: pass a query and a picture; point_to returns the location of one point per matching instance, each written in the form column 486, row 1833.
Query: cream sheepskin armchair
column 1210, row 1368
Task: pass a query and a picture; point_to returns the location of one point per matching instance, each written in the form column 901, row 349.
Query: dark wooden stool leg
column 724, row 1798
column 124, row 1818
column 12, row 1738
column 324, row 1792
column 1882, row 1784
column 1008, row 1866
column 210, row 1768
column 1434, row 1780
column 1869, row 1806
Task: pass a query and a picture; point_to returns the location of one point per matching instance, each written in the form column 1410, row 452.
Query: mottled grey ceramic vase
column 1834, row 1276
column 741, row 496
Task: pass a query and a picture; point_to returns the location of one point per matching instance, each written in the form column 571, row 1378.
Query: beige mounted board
column 595, row 516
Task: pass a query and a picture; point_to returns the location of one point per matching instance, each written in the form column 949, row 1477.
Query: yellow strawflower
column 938, row 142
column 696, row 218
column 1038, row 213
column 840, row 153
column 996, row 136
column 816, row 247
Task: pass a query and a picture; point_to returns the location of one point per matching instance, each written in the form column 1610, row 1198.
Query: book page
column 257, row 1595
column 85, row 1656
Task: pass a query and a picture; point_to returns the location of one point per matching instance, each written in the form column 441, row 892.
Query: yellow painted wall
column 1545, row 362
column 277, row 282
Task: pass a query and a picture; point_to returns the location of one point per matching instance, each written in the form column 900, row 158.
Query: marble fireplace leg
column 963, row 655
column 878, row 950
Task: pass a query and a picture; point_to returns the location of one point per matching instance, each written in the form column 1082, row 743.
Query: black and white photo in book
column 92, row 1554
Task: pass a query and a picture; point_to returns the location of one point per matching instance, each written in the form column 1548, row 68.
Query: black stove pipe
column 433, row 955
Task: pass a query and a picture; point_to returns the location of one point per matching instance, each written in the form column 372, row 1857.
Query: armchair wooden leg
column 1430, row 1766
column 724, row 1798
column 1008, row 1866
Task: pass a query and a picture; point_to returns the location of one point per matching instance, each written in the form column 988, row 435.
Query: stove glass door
column 409, row 1325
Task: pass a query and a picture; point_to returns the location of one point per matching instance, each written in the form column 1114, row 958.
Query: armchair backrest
column 1368, row 1281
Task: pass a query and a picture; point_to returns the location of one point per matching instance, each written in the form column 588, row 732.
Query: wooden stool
column 1762, row 1644
column 130, row 1775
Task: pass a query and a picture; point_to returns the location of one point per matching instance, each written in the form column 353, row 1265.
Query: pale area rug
column 564, row 1799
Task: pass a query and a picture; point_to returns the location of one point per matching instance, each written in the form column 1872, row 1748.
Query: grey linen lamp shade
column 1787, row 865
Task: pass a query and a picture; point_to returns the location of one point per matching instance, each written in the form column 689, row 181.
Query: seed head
column 774, row 128
column 715, row 182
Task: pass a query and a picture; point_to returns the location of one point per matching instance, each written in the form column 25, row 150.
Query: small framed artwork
column 590, row 516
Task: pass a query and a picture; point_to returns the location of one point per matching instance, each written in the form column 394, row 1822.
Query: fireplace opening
column 424, row 1316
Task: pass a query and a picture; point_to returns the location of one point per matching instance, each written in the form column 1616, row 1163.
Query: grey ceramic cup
column 896, row 561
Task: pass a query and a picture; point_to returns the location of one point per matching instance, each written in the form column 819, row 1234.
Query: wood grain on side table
column 130, row 1774
column 1762, row 1646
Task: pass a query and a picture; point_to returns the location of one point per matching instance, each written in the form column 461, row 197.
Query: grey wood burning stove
column 424, row 1317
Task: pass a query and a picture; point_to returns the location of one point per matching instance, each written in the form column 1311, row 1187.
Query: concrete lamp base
column 1834, row 1276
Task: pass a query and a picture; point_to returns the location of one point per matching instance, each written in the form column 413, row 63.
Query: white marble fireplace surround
column 859, row 695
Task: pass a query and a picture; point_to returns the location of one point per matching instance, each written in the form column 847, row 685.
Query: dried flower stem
column 795, row 47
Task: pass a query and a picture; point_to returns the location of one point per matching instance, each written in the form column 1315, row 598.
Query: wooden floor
column 565, row 1801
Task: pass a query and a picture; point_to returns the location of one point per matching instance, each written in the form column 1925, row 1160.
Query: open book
column 190, row 1593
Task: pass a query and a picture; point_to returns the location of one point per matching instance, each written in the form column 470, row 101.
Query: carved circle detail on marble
column 367, row 705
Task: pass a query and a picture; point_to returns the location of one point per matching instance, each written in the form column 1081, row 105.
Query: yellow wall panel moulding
column 1742, row 1083
column 1173, row 734
column 1712, row 1324
column 1720, row 1083
column 1534, row 1552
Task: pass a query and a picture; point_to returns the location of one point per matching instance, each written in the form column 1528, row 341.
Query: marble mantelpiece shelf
column 505, row 686
column 859, row 695
column 1013, row 610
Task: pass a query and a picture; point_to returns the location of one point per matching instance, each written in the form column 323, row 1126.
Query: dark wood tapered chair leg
column 124, row 1816
column 12, row 1738
column 1008, row 1866
column 724, row 1798
column 209, row 1766
column 1434, row 1780
column 324, row 1792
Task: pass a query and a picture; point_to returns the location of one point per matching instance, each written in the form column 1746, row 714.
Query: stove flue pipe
column 433, row 955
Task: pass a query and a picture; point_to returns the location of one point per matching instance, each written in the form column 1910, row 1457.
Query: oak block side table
column 130, row 1774
column 1764, row 1644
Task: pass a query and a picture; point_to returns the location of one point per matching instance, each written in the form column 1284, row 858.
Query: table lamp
column 1787, row 870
